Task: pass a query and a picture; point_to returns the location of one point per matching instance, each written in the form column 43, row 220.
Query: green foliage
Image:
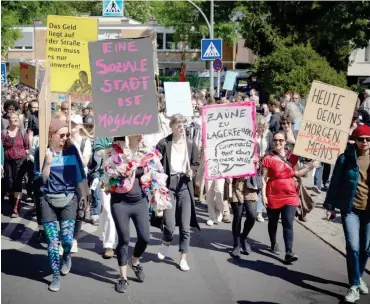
column 14, row 74
column 294, row 68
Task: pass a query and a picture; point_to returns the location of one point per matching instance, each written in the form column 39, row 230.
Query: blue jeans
column 259, row 204
column 356, row 227
column 317, row 179
column 96, row 203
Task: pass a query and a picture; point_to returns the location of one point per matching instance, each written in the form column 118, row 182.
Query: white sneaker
column 316, row 189
column 184, row 265
column 363, row 287
column 209, row 223
column 260, row 218
column 61, row 249
column 74, row 248
column 163, row 251
column 353, row 295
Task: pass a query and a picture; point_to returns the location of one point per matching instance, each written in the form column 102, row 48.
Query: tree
column 333, row 29
column 294, row 68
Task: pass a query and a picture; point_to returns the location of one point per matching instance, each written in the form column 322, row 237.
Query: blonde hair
column 292, row 110
column 60, row 115
column 261, row 121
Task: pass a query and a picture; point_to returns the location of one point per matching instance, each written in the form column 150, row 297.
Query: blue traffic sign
column 3, row 72
column 211, row 49
column 217, row 65
column 112, row 8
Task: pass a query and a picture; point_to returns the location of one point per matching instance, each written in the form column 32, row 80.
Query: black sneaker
column 139, row 271
column 235, row 253
column 245, row 246
column 291, row 257
column 121, row 285
column 275, row 249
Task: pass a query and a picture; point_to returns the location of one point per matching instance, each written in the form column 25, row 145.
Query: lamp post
column 210, row 29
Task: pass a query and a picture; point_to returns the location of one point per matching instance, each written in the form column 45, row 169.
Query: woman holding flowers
column 134, row 176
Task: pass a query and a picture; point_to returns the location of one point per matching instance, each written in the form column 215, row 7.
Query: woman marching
column 280, row 192
column 60, row 175
column 134, row 176
column 180, row 160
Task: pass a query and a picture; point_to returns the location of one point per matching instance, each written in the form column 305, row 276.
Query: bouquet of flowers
column 119, row 174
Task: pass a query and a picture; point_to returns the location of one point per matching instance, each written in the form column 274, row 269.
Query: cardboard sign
column 3, row 73
column 229, row 140
column 178, row 98
column 124, row 94
column 67, row 52
column 230, row 80
column 27, row 74
column 324, row 130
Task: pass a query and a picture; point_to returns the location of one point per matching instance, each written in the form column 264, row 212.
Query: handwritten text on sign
column 229, row 140
column 124, row 94
column 323, row 134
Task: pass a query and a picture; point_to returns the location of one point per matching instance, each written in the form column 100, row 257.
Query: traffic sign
column 217, row 65
column 112, row 8
column 211, row 49
column 3, row 72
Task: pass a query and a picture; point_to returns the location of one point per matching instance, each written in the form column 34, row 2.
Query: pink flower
column 117, row 147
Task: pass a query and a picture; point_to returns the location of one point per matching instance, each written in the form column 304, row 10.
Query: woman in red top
column 280, row 192
column 16, row 147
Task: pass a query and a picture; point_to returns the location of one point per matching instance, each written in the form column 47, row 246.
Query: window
column 24, row 43
column 160, row 41
column 170, row 42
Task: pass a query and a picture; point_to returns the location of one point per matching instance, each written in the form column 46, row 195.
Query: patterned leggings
column 52, row 237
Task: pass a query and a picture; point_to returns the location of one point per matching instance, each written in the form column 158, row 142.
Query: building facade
column 359, row 65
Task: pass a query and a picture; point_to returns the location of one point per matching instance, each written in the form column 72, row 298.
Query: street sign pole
column 211, row 74
column 218, row 83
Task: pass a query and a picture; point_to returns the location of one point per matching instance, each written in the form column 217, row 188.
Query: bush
column 14, row 74
column 294, row 68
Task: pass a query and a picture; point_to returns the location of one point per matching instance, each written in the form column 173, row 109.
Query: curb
column 342, row 252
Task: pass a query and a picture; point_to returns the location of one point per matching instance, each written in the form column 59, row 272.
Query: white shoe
column 316, row 189
column 184, row 265
column 74, row 248
column 363, row 287
column 353, row 295
column 209, row 223
column 260, row 218
column 61, row 249
column 163, row 252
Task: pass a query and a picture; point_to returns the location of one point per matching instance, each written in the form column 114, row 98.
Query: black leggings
column 251, row 213
column 287, row 219
column 139, row 213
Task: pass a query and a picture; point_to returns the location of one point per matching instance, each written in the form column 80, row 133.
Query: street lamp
column 210, row 29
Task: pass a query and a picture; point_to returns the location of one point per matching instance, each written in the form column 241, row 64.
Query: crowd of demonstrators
column 171, row 163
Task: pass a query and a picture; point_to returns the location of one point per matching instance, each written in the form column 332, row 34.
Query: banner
column 67, row 52
column 229, row 80
column 229, row 140
column 178, row 98
column 27, row 74
column 124, row 94
column 324, row 130
column 3, row 72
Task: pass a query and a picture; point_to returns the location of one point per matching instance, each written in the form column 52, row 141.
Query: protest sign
column 178, row 98
column 67, row 52
column 229, row 140
column 230, row 80
column 3, row 73
column 123, row 94
column 27, row 74
column 327, row 118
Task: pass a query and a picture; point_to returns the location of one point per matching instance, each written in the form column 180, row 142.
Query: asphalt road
column 318, row 277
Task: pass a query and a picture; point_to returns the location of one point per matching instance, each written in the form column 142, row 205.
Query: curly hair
column 11, row 102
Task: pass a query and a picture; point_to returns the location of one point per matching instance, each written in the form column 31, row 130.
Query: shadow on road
column 259, row 302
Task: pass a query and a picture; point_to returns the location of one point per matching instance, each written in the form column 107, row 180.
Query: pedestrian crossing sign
column 211, row 49
column 113, row 8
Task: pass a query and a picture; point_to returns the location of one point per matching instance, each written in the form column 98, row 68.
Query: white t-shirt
column 86, row 152
column 178, row 160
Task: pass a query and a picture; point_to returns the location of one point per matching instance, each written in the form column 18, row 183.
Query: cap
column 88, row 106
column 77, row 119
column 363, row 130
column 88, row 120
column 56, row 125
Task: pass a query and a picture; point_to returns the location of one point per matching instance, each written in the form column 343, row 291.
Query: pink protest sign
column 229, row 140
column 123, row 87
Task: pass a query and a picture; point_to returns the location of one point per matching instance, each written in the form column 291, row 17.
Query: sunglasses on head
column 64, row 135
column 363, row 139
column 279, row 140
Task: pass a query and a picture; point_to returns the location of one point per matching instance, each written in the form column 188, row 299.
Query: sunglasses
column 64, row 109
column 363, row 139
column 64, row 135
column 279, row 140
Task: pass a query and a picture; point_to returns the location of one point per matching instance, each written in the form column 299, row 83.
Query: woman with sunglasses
column 286, row 124
column 180, row 160
column 280, row 192
column 61, row 172
column 349, row 192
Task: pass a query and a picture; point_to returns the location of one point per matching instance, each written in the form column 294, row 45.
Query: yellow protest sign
column 67, row 52
column 27, row 74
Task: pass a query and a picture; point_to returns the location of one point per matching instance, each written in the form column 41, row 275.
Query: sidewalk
column 330, row 232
